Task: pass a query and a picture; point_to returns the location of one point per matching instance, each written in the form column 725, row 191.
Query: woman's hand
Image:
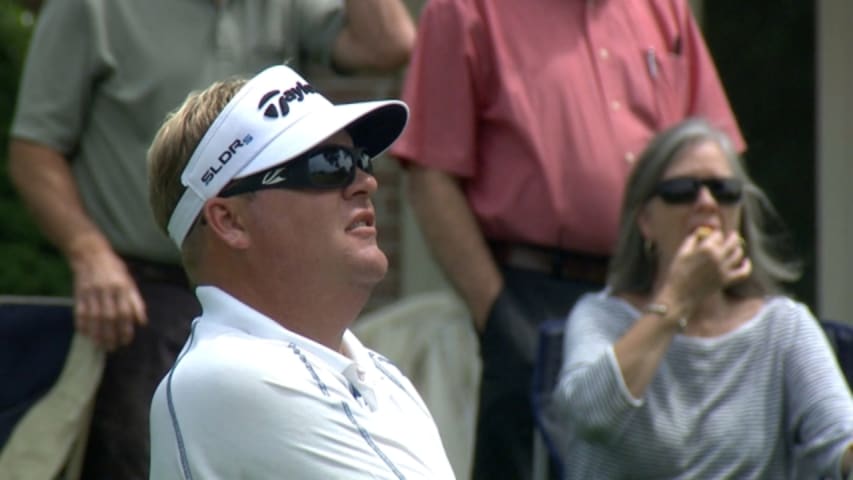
column 705, row 264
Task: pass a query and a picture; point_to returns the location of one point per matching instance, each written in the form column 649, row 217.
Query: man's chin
column 373, row 268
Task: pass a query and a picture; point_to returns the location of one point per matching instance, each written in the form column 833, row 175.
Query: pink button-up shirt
column 542, row 106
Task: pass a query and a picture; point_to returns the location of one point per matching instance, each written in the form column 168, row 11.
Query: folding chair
column 49, row 376
column 549, row 360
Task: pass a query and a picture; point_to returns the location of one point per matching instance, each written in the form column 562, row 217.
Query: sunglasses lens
column 331, row 168
column 726, row 190
column 678, row 190
column 327, row 168
column 685, row 190
column 365, row 162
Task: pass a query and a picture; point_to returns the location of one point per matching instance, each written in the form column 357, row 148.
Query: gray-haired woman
column 693, row 363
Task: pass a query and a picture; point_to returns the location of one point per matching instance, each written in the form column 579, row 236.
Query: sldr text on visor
column 224, row 158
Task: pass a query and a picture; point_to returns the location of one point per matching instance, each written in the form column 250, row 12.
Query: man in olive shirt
column 99, row 78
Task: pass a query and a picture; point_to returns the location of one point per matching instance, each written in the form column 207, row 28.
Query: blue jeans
column 504, row 435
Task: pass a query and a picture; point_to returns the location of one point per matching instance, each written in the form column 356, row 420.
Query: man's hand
column 107, row 304
column 378, row 35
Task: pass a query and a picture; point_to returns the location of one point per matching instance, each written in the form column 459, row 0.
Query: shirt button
column 630, row 157
column 360, row 374
column 615, row 105
column 603, row 53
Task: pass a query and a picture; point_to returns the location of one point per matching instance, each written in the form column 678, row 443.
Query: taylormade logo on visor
column 295, row 94
column 271, row 110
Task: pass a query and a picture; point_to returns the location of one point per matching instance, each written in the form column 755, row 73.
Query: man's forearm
column 43, row 179
column 378, row 35
column 455, row 239
column 107, row 304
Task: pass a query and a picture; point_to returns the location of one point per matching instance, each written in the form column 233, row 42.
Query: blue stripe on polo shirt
column 364, row 433
column 367, row 438
column 320, row 384
column 182, row 451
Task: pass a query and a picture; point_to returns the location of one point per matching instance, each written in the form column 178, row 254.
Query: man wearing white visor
column 266, row 188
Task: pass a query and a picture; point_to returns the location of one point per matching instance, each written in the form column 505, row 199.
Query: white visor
column 275, row 117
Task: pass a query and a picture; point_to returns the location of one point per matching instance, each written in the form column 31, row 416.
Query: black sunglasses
column 323, row 168
column 681, row 190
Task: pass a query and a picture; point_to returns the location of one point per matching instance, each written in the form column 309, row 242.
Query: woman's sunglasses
column 324, row 168
column 681, row 190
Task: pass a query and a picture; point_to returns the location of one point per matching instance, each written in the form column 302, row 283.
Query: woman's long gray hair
column 633, row 269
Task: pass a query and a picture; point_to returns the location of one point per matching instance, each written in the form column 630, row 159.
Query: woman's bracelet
column 662, row 310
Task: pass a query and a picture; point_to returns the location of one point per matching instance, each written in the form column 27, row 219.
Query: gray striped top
column 765, row 401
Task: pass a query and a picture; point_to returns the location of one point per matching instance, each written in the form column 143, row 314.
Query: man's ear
column 224, row 217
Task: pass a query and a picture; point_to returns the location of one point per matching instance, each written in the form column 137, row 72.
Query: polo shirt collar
column 221, row 308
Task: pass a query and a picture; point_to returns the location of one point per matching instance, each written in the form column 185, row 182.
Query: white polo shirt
column 249, row 399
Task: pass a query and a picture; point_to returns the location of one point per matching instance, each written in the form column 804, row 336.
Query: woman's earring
column 648, row 248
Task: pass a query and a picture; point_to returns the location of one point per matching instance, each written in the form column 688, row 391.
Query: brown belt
column 559, row 263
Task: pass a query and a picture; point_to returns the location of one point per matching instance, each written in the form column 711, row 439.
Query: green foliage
column 29, row 265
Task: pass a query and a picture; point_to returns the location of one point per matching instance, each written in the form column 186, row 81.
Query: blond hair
column 175, row 142
column 171, row 150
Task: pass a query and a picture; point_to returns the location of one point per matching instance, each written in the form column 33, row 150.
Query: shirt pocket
column 669, row 75
column 656, row 86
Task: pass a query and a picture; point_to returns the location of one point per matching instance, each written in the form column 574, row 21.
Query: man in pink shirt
column 526, row 119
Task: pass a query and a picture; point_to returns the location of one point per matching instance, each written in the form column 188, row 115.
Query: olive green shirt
column 101, row 75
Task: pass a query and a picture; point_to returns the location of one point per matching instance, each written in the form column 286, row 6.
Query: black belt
column 565, row 264
column 156, row 272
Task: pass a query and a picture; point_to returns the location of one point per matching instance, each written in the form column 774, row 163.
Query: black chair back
column 35, row 336
column 840, row 336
